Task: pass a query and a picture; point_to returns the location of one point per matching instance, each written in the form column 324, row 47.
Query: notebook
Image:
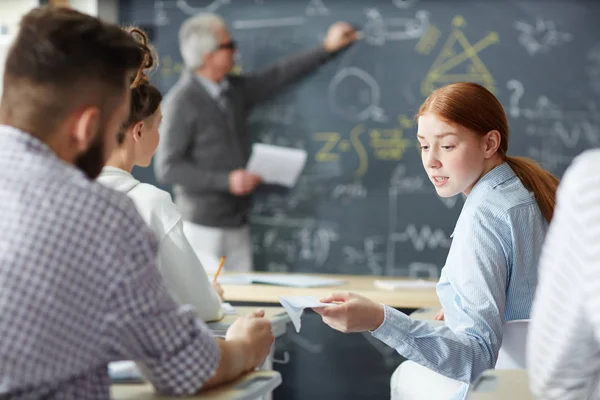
column 404, row 284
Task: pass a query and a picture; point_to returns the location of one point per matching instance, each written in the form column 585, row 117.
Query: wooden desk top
column 501, row 384
column 364, row 285
column 229, row 391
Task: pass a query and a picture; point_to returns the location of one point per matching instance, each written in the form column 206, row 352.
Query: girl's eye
column 423, row 147
column 447, row 147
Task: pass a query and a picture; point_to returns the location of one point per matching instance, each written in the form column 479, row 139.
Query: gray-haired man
column 205, row 145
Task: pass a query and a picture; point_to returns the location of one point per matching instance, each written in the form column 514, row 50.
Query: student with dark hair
column 490, row 274
column 79, row 286
column 181, row 269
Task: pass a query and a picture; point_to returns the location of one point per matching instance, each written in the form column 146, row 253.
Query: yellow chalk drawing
column 458, row 61
column 428, row 40
column 387, row 144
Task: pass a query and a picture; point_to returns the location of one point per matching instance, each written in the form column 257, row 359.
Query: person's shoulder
column 156, row 207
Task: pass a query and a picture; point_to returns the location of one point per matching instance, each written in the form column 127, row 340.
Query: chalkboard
column 364, row 204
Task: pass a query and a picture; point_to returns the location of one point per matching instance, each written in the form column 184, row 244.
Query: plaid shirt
column 79, row 286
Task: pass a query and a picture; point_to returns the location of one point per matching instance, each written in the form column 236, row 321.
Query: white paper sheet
column 276, row 164
column 404, row 284
column 295, row 305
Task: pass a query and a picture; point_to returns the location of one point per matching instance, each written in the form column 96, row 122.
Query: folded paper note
column 295, row 305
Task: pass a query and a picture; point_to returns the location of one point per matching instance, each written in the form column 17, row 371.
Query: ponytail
column 537, row 180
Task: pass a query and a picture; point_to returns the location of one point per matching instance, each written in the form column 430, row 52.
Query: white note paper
column 295, row 305
column 276, row 164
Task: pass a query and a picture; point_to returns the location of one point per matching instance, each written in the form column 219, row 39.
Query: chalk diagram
column 160, row 14
column 593, row 69
column 541, row 36
column 355, row 95
column 404, row 3
column 561, row 132
column 316, row 8
column 458, row 60
column 379, row 30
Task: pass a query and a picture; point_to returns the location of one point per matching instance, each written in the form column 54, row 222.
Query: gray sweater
column 201, row 144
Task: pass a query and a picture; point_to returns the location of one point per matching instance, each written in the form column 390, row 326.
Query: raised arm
column 267, row 82
column 563, row 349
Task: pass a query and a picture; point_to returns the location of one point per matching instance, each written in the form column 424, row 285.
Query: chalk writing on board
column 279, row 112
column 387, row 144
column 207, row 6
column 316, row 7
column 561, row 132
column 593, row 69
column 428, row 41
column 169, row 68
column 458, row 60
column 160, row 14
column 540, row 36
column 354, row 190
column 401, row 183
column 422, row 237
column 423, row 270
column 370, row 255
column 404, row 3
column 378, row 30
column 355, row 95
column 267, row 23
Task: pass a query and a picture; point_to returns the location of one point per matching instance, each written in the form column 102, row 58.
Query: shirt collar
column 10, row 134
column 496, row 176
column 213, row 88
column 110, row 170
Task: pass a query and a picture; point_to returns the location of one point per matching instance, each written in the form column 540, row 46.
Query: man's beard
column 92, row 160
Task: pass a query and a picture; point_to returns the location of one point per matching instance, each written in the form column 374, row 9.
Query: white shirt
column 563, row 348
column 179, row 265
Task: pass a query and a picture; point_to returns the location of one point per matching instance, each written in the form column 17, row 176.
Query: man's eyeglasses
column 231, row 45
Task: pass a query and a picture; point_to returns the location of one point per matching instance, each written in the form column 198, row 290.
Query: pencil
column 219, row 269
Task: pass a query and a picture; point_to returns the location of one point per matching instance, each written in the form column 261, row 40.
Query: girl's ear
column 491, row 143
column 137, row 130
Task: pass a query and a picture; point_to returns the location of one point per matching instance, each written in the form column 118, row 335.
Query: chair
column 514, row 340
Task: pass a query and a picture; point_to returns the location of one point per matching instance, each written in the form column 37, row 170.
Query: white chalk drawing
column 315, row 244
column 208, row 6
column 283, row 113
column 401, row 183
column 267, row 23
column 560, row 132
column 369, row 255
column 160, row 14
column 593, row 69
column 541, row 36
column 355, row 190
column 404, row 3
column 355, row 95
column 316, row 7
column 423, row 270
column 422, row 238
column 379, row 30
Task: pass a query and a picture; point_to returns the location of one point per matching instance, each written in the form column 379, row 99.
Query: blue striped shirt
column 489, row 278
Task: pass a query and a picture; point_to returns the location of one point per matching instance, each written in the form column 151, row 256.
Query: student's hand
column 242, row 182
column 254, row 331
column 439, row 316
column 355, row 313
column 339, row 35
column 219, row 290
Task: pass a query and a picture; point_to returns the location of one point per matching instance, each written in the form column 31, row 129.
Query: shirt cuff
column 394, row 328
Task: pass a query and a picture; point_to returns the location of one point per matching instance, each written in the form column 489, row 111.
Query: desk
column 247, row 387
column 364, row 285
column 501, row 384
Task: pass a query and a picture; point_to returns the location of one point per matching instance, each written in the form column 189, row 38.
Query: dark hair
column 62, row 59
column 477, row 109
column 145, row 97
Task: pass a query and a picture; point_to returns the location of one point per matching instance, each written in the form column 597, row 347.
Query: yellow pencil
column 219, row 269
